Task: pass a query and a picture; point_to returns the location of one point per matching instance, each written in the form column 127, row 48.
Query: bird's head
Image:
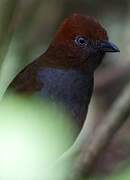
column 80, row 43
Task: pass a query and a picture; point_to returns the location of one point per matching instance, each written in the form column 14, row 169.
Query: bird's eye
column 81, row 41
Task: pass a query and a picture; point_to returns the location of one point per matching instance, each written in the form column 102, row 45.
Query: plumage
column 65, row 86
column 64, row 73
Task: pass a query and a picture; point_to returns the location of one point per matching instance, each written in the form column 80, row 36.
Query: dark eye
column 81, row 41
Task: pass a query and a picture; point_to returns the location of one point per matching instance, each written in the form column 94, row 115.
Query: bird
column 65, row 72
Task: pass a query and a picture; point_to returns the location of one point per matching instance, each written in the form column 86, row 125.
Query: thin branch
column 77, row 162
column 109, row 76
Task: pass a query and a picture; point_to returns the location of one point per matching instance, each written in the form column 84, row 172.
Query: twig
column 109, row 76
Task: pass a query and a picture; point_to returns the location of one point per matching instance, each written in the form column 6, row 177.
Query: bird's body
column 71, row 88
column 64, row 73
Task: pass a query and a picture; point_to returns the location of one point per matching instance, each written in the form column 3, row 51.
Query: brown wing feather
column 26, row 81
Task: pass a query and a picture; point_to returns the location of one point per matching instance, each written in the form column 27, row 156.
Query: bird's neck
column 71, row 88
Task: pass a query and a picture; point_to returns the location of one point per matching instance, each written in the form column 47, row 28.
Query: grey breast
column 70, row 87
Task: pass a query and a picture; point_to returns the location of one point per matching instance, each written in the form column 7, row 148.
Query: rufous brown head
column 81, row 43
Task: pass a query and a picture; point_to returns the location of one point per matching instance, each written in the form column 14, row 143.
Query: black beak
column 107, row 46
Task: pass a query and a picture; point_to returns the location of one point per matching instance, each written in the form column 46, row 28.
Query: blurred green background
column 27, row 28
column 32, row 138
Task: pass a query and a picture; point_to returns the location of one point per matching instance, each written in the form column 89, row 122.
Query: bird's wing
column 26, row 81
